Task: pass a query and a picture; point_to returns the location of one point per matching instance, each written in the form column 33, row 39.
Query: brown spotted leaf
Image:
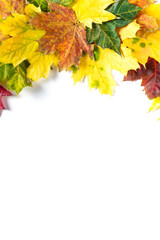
column 9, row 6
column 150, row 75
column 63, row 34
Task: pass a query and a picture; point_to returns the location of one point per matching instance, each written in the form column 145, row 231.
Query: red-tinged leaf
column 63, row 34
column 150, row 77
column 3, row 93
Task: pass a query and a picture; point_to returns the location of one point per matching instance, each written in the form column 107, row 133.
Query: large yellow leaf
column 99, row 73
column 93, row 11
column 16, row 49
column 40, row 65
column 144, row 48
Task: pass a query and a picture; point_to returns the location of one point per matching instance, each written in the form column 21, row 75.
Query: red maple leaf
column 150, row 75
column 3, row 92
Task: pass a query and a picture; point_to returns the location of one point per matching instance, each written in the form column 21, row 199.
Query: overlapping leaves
column 92, row 38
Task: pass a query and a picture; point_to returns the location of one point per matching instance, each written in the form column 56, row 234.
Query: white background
column 80, row 166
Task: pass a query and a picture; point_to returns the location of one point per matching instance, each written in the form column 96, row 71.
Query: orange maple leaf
column 9, row 6
column 147, row 24
column 141, row 3
column 63, row 34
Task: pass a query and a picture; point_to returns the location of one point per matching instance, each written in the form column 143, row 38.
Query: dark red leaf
column 3, row 93
column 150, row 76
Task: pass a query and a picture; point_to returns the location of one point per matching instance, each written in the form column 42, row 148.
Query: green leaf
column 104, row 35
column 40, row 3
column 63, row 2
column 17, row 78
column 5, row 70
column 124, row 11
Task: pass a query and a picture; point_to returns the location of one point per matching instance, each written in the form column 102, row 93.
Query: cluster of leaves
column 90, row 38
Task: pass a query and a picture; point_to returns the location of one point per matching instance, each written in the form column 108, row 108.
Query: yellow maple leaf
column 144, row 48
column 99, row 73
column 93, row 11
column 14, row 24
column 129, row 31
column 31, row 10
column 16, row 49
column 40, row 65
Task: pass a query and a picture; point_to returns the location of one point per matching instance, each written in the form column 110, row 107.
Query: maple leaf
column 150, row 77
column 15, row 78
column 40, row 65
column 129, row 31
column 93, row 11
column 105, row 35
column 99, row 72
column 124, row 11
column 63, row 34
column 147, row 24
column 3, row 93
column 14, row 25
column 21, row 47
column 142, row 3
column 143, row 48
column 10, row 6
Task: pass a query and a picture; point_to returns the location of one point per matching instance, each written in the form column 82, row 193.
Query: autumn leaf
column 129, row 31
column 125, row 12
column 40, row 65
column 21, row 47
column 14, row 25
column 11, row 6
column 3, row 93
column 17, row 79
column 63, row 34
column 93, row 11
column 141, row 3
column 150, row 75
column 143, row 48
column 147, row 24
column 99, row 71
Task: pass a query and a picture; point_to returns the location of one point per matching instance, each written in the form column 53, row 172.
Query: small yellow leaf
column 40, row 65
column 129, row 31
column 31, row 10
column 93, row 11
